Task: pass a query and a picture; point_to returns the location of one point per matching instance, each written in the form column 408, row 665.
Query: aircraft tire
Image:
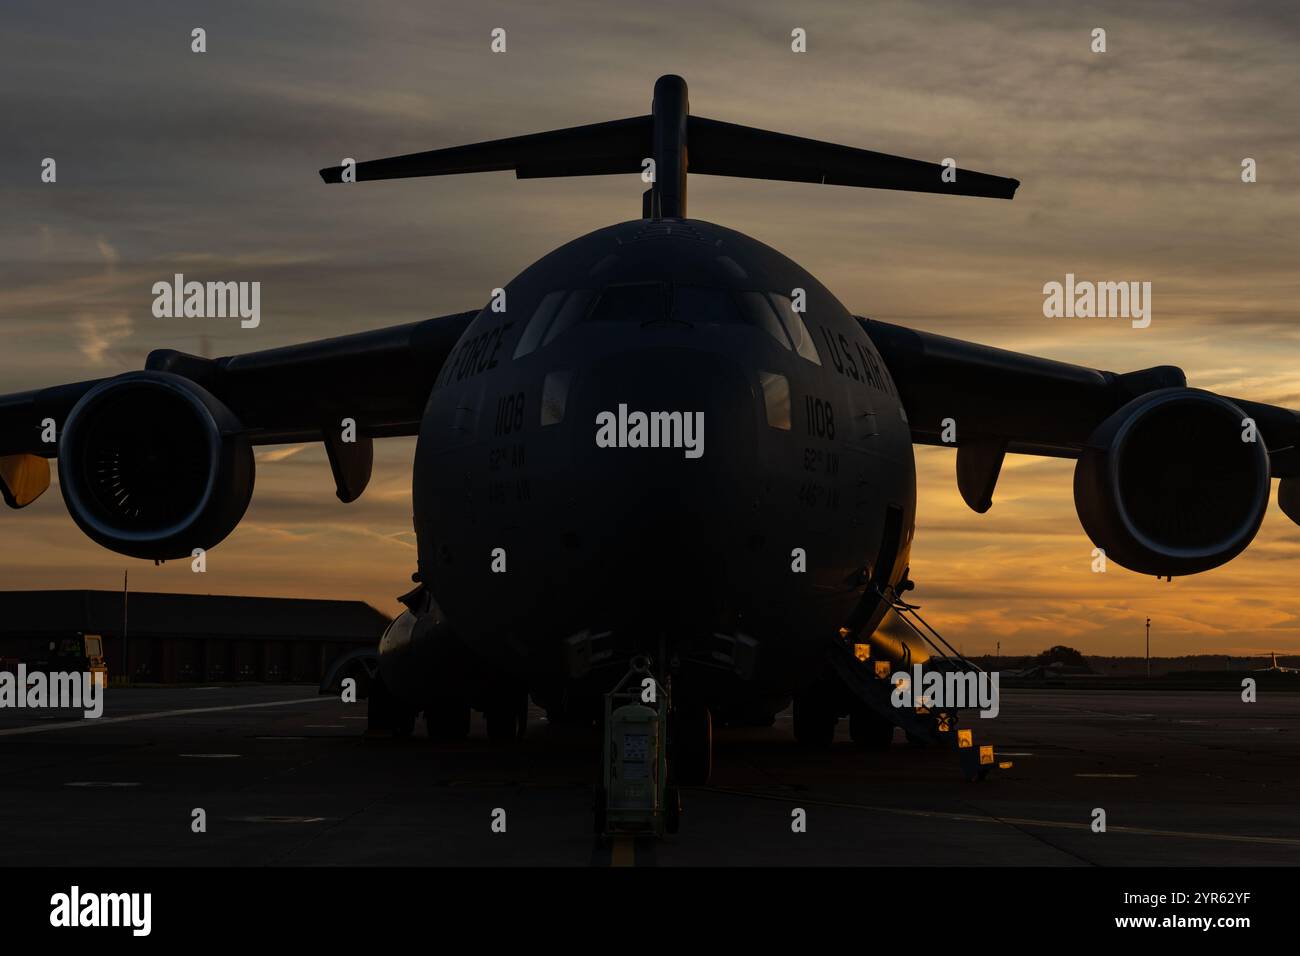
column 672, row 809
column 599, row 804
column 869, row 730
column 691, row 743
column 506, row 717
column 447, row 719
column 384, row 712
column 814, row 722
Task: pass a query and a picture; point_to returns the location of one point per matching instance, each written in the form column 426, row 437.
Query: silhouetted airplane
column 636, row 445
column 1276, row 667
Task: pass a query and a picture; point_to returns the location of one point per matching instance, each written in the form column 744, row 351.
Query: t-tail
column 667, row 144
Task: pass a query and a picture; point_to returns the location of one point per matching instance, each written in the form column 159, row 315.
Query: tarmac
column 286, row 777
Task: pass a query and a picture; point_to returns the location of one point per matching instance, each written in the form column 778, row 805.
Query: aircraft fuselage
column 650, row 439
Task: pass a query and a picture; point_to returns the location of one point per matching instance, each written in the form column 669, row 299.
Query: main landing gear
column 868, row 730
column 447, row 714
column 506, row 714
column 386, row 716
column 446, row 719
column 817, row 714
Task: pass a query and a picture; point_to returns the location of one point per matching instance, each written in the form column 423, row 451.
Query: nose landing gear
column 690, row 744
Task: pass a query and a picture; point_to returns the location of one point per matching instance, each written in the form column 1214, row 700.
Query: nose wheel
column 690, row 753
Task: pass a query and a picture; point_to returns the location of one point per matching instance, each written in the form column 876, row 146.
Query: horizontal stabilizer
column 599, row 149
column 725, row 149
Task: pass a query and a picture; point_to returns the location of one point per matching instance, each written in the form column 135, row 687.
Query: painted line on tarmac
column 1011, row 821
column 100, row 721
column 623, row 852
column 98, row 784
column 1108, row 776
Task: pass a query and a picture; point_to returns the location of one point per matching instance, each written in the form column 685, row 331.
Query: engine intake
column 153, row 466
column 1168, row 484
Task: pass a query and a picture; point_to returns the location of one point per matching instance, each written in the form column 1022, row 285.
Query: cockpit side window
column 794, row 324
column 539, row 323
column 639, row 302
column 758, row 312
column 572, row 312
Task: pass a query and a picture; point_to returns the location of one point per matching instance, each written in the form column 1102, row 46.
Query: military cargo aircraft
column 664, row 439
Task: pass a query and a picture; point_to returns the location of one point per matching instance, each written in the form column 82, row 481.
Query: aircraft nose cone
column 668, row 417
column 665, row 454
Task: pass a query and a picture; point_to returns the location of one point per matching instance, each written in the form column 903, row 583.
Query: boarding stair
column 869, row 680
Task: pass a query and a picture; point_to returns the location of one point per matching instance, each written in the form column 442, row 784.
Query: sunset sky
column 205, row 164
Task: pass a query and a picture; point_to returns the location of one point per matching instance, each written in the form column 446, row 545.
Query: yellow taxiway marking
column 100, row 721
column 623, row 852
column 1014, row 821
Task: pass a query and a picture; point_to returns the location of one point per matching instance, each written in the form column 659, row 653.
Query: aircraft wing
column 991, row 402
column 380, row 379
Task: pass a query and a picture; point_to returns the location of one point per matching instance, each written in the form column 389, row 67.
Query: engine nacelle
column 1168, row 485
column 153, row 466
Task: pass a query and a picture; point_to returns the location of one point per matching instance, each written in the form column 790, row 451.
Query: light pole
column 1148, row 648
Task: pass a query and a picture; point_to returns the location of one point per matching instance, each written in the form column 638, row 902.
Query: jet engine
column 153, row 466
column 1175, row 482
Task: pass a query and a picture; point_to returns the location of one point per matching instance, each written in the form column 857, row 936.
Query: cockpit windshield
column 662, row 303
column 760, row 314
column 703, row 305
column 556, row 312
column 639, row 302
column 570, row 314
